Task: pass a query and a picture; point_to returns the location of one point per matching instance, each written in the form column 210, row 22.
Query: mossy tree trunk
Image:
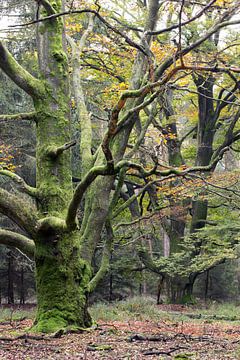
column 61, row 273
column 63, row 248
column 62, row 277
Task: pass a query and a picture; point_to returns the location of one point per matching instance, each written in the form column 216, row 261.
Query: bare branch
column 230, row 136
column 214, row 69
column 209, row 33
column 172, row 27
column 218, row 100
column 84, row 11
column 105, row 69
column 228, row 188
column 19, row 241
column 138, row 220
column 174, row 171
column 135, row 196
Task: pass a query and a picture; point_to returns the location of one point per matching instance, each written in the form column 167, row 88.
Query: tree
column 63, row 243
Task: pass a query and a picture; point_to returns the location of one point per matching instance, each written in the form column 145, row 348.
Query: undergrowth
column 136, row 308
column 15, row 314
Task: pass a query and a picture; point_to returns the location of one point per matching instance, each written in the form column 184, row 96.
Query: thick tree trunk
column 180, row 290
column 61, row 280
column 62, row 276
column 63, row 254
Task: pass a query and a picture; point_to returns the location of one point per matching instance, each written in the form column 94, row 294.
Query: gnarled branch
column 19, row 241
column 172, row 170
column 19, row 75
column 80, row 191
column 19, row 211
column 17, row 179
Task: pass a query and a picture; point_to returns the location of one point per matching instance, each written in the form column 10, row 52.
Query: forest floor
column 129, row 330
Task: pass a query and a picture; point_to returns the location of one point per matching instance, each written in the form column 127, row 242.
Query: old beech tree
column 62, row 245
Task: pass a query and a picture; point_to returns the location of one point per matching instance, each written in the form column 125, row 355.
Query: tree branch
column 19, row 117
column 87, row 180
column 47, row 6
column 135, row 196
column 138, row 220
column 19, row 211
column 84, row 11
column 172, row 27
column 54, row 152
column 173, row 171
column 19, row 241
column 187, row 134
column 19, row 75
column 80, row 191
column 230, row 136
column 161, row 69
column 148, row 262
column 212, row 31
column 84, row 117
column 105, row 262
column 17, row 179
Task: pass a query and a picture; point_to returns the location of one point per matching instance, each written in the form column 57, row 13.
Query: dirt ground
column 133, row 340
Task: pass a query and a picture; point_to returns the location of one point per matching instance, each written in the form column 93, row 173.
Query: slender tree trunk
column 159, row 291
column 110, row 297
column 22, row 287
column 206, row 285
column 10, row 279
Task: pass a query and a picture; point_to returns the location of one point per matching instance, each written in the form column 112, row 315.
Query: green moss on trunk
column 61, row 278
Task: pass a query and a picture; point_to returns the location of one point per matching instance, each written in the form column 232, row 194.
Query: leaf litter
column 135, row 340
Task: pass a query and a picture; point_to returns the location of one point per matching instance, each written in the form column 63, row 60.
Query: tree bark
column 62, row 277
column 10, row 279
